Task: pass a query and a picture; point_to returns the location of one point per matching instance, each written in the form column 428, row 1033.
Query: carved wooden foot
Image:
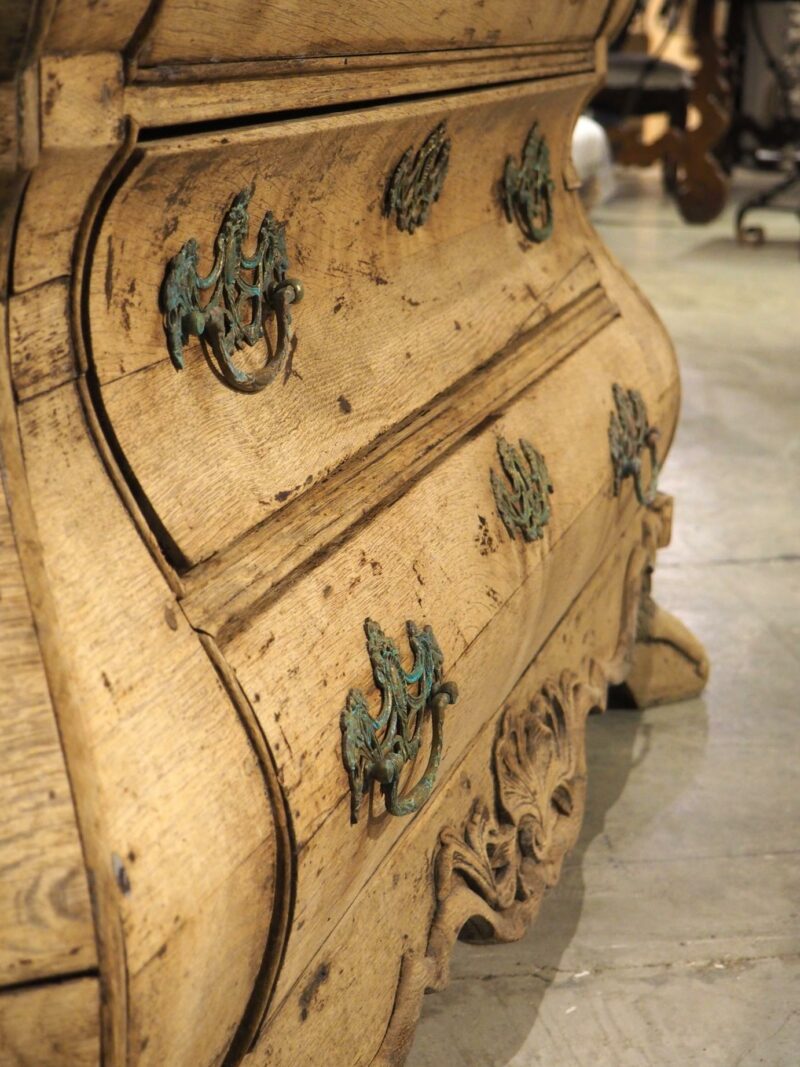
column 668, row 662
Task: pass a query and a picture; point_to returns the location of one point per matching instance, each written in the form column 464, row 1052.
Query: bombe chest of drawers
column 329, row 437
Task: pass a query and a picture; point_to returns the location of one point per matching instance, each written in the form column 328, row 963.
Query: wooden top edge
column 205, row 94
column 279, row 67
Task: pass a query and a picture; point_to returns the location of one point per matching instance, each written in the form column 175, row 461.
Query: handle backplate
column 524, row 503
column 527, row 188
column 416, row 182
column 629, row 434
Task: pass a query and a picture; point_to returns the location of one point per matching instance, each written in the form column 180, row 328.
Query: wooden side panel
column 94, row 25
column 55, row 199
column 179, row 832
column 237, row 29
column 51, row 1026
column 389, row 318
column 45, row 915
column 40, row 342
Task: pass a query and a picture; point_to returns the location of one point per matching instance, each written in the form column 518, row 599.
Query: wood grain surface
column 45, row 916
column 173, row 806
column 55, row 201
column 195, row 93
column 51, row 1025
column 389, row 319
column 327, row 27
column 241, row 580
column 508, row 597
column 40, row 341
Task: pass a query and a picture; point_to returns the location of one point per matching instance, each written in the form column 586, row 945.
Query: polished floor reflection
column 674, row 935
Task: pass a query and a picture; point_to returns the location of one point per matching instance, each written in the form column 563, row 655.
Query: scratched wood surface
column 389, row 318
column 51, row 1026
column 256, row 568
column 288, row 28
column 345, row 997
column 327, row 27
column 45, row 917
column 192, row 93
column 509, row 594
column 40, row 342
column 54, row 203
column 180, row 34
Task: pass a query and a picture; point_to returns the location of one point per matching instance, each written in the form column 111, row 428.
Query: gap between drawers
column 225, row 591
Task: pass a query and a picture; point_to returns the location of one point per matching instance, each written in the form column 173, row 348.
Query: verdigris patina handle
column 629, row 433
column 244, row 292
column 376, row 750
column 527, row 188
column 523, row 504
column 416, row 182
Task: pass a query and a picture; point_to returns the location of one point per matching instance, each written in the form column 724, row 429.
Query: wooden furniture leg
column 665, row 663
column 668, row 662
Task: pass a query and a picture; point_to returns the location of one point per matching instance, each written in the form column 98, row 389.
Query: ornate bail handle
column 376, row 750
column 245, row 291
column 629, row 433
column 527, row 188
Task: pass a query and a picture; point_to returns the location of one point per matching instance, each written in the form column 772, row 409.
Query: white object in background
column 591, row 154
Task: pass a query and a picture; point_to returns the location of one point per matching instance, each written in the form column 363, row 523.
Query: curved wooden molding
column 251, row 1022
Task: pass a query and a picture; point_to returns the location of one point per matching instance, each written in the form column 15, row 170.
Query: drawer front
column 266, row 29
column 441, row 556
column 390, row 318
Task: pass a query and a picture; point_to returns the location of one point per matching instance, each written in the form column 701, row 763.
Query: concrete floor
column 673, row 937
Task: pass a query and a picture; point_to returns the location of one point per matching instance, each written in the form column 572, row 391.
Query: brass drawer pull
column 417, row 180
column 527, row 188
column 376, row 750
column 245, row 292
column 526, row 505
column 629, row 433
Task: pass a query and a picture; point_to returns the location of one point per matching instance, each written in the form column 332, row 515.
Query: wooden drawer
column 236, row 30
column 389, row 320
column 440, row 556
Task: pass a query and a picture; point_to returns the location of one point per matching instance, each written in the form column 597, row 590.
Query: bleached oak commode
column 330, row 435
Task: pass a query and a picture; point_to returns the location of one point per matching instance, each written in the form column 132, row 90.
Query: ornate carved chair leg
column 668, row 662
